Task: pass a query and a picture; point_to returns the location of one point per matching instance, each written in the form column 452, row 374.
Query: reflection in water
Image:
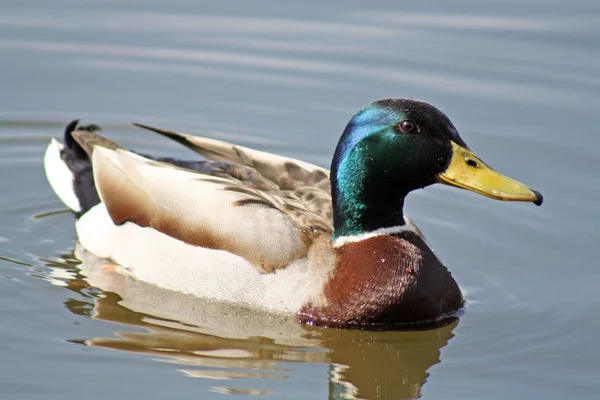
column 222, row 341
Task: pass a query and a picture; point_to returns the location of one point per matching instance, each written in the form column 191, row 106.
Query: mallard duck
column 246, row 226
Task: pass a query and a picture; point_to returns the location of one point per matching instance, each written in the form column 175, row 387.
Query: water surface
column 521, row 82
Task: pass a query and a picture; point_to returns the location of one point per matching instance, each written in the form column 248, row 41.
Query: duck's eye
column 407, row 126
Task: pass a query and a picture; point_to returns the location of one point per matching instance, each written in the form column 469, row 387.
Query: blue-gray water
column 520, row 80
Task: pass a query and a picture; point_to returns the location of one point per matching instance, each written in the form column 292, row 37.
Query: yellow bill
column 467, row 171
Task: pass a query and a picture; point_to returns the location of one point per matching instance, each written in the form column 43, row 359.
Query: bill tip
column 539, row 198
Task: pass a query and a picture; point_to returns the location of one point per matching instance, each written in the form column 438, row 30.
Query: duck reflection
column 221, row 341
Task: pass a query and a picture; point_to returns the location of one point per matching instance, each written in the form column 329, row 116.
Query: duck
column 332, row 247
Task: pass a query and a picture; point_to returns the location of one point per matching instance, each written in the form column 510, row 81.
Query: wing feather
column 198, row 209
column 287, row 173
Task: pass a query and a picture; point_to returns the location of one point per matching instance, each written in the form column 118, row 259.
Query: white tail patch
column 60, row 176
column 342, row 240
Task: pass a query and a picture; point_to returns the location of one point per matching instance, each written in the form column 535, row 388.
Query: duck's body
column 270, row 231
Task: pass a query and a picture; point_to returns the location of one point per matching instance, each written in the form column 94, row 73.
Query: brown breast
column 385, row 280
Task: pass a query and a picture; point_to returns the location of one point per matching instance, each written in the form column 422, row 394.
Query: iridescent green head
column 393, row 146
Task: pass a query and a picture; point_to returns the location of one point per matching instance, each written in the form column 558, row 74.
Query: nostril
column 472, row 162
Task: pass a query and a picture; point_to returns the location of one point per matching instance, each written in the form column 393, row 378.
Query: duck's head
column 393, row 146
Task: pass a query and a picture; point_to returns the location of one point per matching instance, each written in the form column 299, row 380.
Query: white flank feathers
column 169, row 263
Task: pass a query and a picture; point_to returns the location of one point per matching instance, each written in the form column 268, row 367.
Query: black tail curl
column 80, row 165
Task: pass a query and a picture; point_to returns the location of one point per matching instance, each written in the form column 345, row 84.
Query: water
column 521, row 82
